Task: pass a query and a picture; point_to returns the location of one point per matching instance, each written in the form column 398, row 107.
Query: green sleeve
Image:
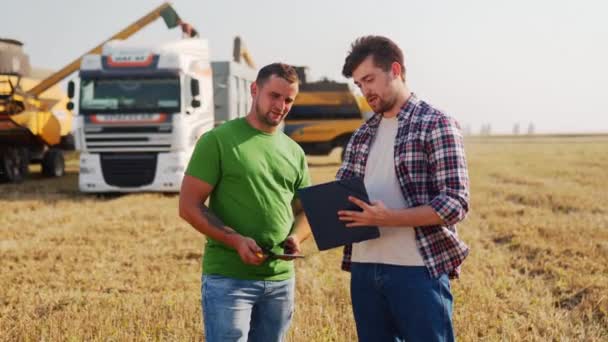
column 304, row 179
column 205, row 161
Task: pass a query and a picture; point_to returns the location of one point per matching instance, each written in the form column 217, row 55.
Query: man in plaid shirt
column 411, row 158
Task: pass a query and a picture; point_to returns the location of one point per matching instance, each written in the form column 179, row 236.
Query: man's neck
column 402, row 99
column 255, row 123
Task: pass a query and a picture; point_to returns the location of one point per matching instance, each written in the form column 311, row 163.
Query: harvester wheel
column 14, row 162
column 53, row 164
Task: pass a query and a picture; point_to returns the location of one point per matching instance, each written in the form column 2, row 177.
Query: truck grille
column 100, row 138
column 128, row 169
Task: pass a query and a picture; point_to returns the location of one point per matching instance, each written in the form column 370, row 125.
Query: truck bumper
column 97, row 176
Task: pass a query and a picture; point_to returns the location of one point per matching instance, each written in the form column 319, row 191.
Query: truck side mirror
column 70, row 105
column 194, row 89
column 71, row 89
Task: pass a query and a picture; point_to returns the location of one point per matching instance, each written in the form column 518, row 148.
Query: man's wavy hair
column 383, row 50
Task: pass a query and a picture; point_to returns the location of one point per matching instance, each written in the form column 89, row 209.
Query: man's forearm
column 301, row 228
column 210, row 225
column 420, row 216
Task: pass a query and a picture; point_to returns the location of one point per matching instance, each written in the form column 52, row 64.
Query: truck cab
column 140, row 112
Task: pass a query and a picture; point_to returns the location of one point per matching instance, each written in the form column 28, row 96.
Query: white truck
column 140, row 111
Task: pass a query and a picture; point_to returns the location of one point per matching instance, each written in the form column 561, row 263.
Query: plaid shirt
column 431, row 168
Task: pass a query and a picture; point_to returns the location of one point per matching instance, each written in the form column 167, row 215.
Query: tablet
column 321, row 204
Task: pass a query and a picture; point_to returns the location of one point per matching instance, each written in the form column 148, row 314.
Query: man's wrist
column 232, row 239
column 299, row 238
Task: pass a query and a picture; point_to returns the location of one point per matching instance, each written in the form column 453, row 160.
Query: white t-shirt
column 396, row 245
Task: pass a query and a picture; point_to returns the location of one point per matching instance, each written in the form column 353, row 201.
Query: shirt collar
column 403, row 113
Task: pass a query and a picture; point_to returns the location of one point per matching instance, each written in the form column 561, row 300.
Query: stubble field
column 125, row 267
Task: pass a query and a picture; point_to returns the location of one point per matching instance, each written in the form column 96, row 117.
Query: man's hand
column 248, row 250
column 374, row 214
column 291, row 245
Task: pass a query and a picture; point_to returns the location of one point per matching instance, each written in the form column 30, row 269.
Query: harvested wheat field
column 125, row 267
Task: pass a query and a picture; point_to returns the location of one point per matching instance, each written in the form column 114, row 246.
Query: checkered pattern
column 431, row 167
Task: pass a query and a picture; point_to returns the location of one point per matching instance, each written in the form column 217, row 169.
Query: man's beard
column 264, row 117
column 382, row 105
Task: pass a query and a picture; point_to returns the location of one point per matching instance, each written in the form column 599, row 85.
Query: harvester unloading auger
column 29, row 131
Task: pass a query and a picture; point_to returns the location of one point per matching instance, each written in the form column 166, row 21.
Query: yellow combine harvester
column 324, row 115
column 30, row 132
column 27, row 126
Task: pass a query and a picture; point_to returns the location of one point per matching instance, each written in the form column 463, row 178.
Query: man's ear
column 396, row 69
column 254, row 88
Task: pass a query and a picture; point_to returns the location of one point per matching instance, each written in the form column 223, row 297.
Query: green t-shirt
column 255, row 177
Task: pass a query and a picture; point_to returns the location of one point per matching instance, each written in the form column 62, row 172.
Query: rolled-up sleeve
column 449, row 174
column 347, row 167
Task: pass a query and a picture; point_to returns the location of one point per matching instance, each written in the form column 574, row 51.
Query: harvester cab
column 28, row 130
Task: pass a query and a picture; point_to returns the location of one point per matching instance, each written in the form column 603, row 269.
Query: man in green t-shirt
column 250, row 171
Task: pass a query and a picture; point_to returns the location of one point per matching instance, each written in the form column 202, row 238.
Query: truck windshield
column 129, row 95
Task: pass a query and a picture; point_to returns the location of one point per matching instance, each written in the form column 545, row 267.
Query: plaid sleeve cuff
column 449, row 209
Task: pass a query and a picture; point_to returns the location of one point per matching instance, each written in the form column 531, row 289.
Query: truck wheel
column 14, row 163
column 53, row 164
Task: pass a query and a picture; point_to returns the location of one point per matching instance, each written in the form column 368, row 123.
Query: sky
column 492, row 62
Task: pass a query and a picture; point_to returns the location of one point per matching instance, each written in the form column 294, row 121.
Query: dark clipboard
column 321, row 204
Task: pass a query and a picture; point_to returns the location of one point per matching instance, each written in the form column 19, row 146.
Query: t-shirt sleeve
column 205, row 161
column 304, row 179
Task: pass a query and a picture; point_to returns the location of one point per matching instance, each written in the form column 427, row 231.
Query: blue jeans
column 400, row 303
column 246, row 310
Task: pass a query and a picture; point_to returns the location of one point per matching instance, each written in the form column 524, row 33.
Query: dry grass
column 82, row 267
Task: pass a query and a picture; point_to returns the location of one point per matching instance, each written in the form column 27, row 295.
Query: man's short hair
column 383, row 50
column 285, row 71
